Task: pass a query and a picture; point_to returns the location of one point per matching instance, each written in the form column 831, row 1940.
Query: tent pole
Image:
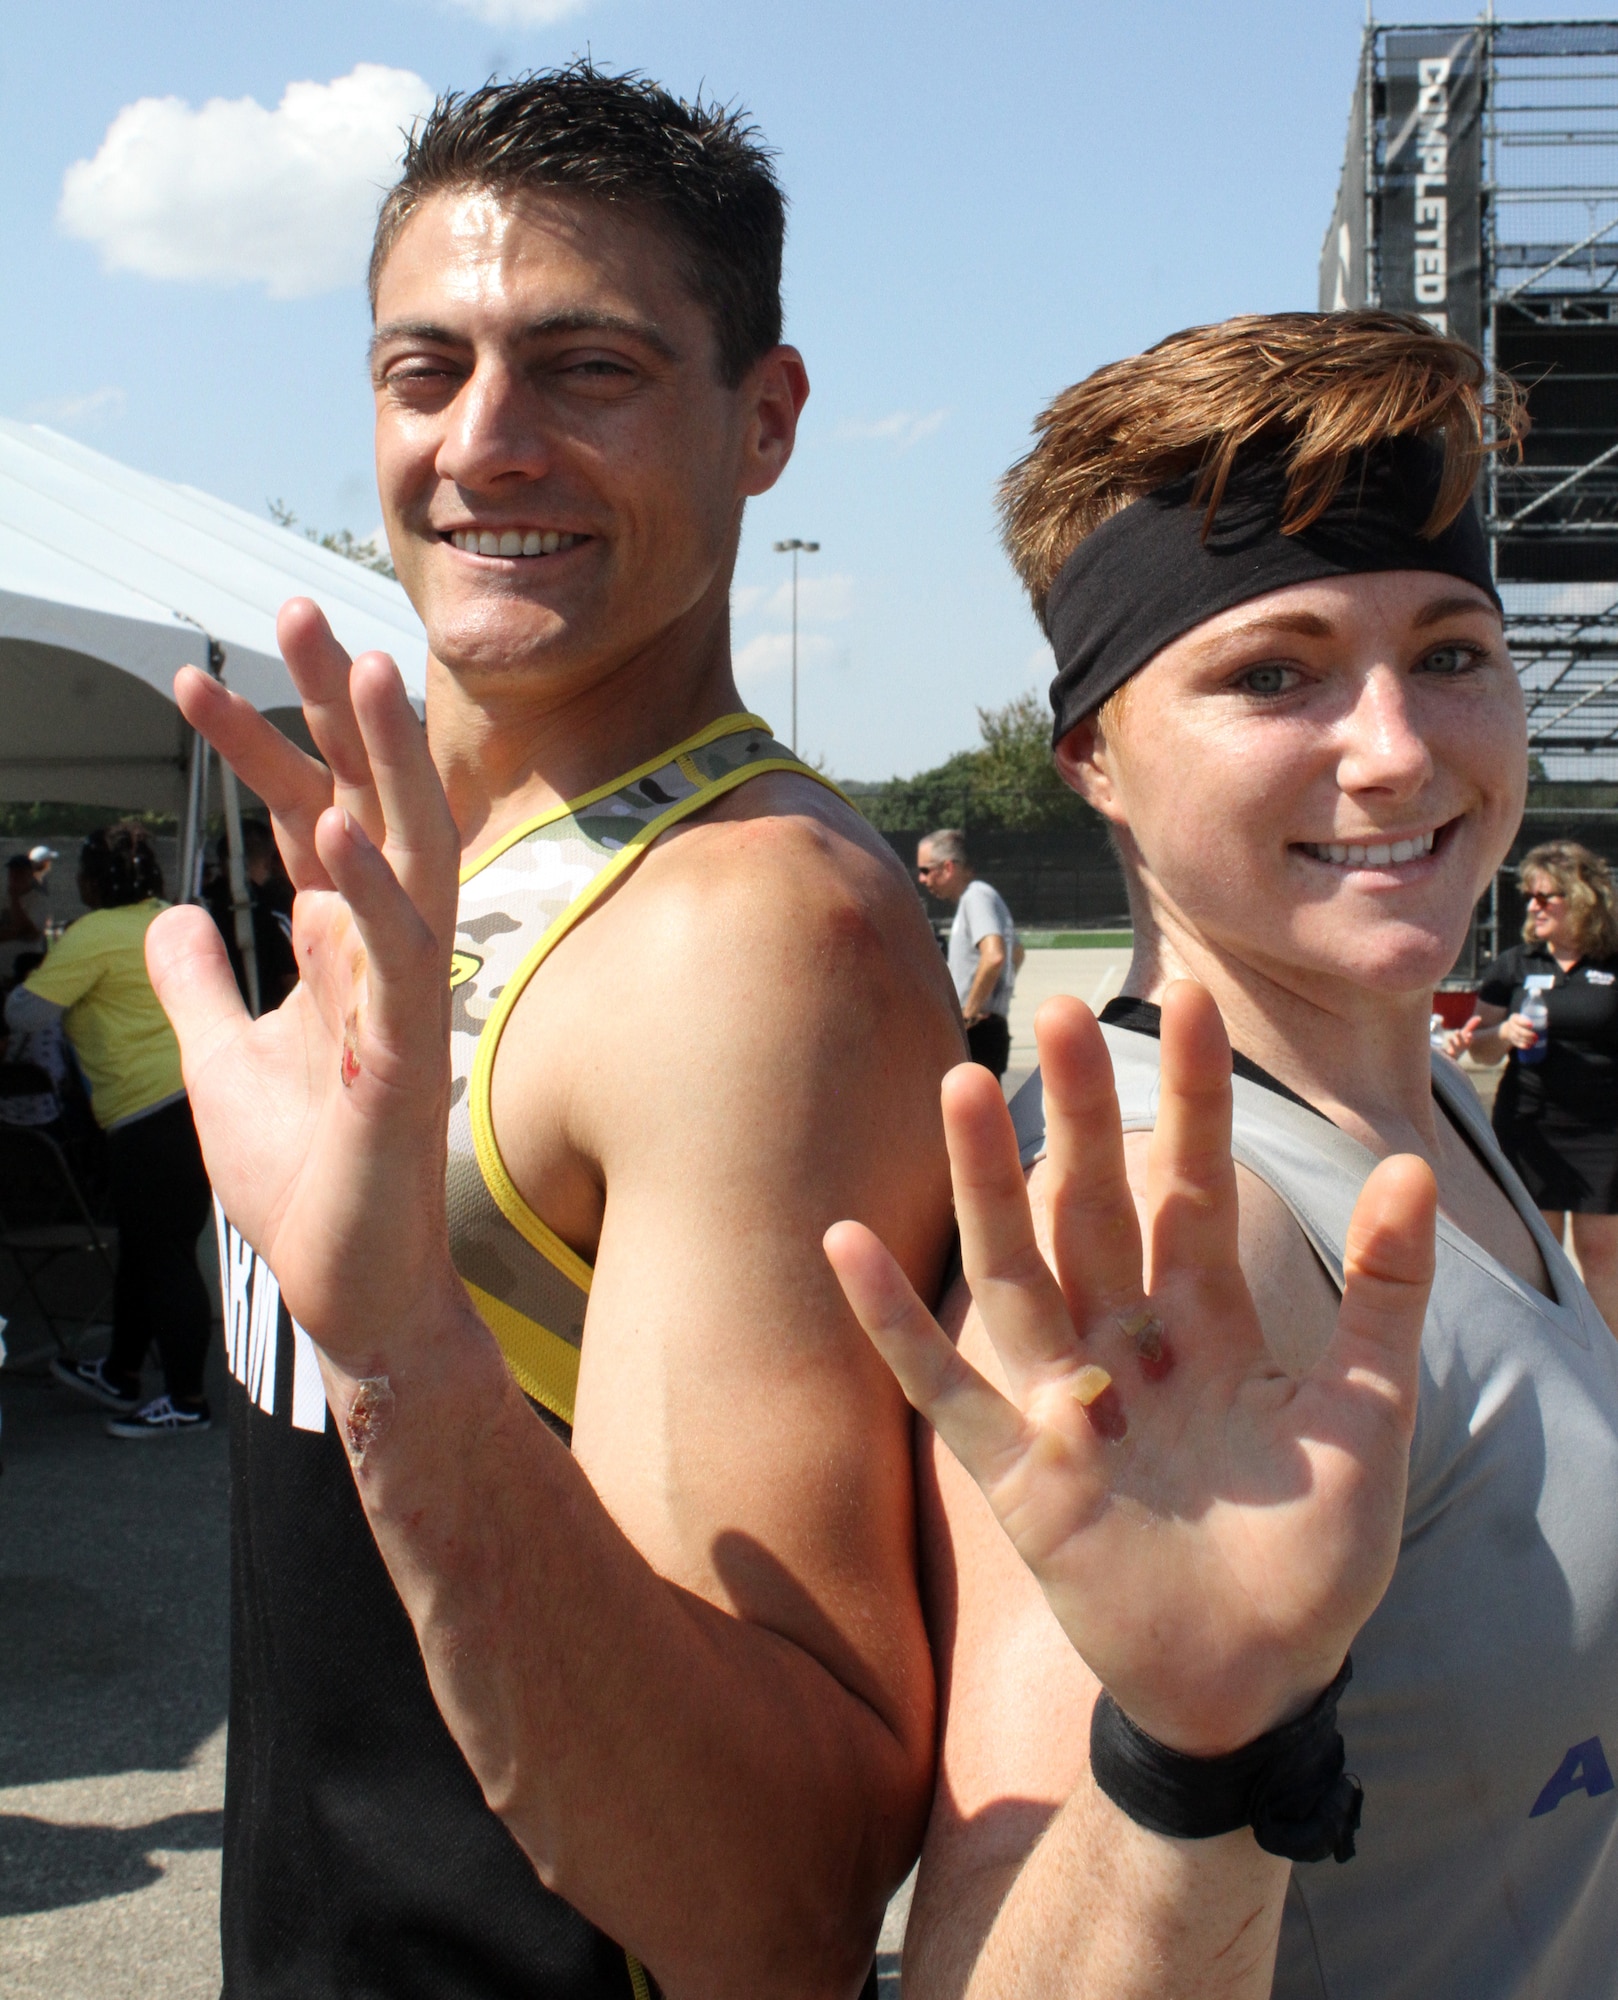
column 241, row 908
column 191, row 833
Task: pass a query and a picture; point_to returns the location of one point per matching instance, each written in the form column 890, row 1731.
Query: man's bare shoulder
column 781, row 879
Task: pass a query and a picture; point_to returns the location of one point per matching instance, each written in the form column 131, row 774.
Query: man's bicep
column 730, row 1413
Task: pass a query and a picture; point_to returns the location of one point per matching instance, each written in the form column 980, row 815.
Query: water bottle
column 1537, row 1015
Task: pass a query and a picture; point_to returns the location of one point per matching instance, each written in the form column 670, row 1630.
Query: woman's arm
column 1488, row 1036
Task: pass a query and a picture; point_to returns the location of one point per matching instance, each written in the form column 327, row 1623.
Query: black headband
column 1148, row 575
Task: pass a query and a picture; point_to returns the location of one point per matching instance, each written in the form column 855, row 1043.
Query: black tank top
column 361, row 1862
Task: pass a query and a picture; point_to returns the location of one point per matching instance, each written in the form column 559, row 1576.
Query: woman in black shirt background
column 1556, row 1116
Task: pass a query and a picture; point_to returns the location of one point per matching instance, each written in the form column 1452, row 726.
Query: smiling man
column 653, row 1711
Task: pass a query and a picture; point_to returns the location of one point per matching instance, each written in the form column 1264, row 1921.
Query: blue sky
column 986, row 204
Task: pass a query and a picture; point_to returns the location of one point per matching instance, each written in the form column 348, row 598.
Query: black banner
column 1342, row 255
column 1431, row 233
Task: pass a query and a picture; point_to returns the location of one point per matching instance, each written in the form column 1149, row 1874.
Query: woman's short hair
column 1321, row 387
column 121, row 865
column 1586, row 881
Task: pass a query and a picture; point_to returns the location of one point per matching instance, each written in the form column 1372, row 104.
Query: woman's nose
column 1383, row 746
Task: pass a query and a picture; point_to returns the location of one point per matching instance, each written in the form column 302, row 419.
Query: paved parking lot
column 113, row 1661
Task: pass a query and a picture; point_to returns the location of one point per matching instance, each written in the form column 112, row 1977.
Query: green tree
column 341, row 541
column 1008, row 781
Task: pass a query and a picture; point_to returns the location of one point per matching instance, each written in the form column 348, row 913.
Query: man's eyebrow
column 646, row 331
column 551, row 325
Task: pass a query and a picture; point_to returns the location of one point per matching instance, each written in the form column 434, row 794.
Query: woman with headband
column 1250, row 1536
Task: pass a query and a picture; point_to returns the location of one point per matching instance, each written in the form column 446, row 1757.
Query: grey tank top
column 1483, row 1713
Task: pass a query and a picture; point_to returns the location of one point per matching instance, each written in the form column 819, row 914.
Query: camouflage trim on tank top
column 518, row 900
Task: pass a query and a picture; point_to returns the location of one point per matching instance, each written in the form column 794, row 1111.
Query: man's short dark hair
column 700, row 169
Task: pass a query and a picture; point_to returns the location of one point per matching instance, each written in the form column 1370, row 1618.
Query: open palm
column 1210, row 1531
column 323, row 1123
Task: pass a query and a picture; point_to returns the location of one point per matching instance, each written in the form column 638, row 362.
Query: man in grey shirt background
column 984, row 952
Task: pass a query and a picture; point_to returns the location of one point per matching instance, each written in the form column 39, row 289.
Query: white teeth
column 511, row 541
column 1380, row 855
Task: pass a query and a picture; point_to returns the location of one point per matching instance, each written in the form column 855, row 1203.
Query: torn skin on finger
column 350, row 1067
column 1092, row 1390
column 369, row 1415
column 1144, row 1330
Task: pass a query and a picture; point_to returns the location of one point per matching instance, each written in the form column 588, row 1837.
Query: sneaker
column 90, row 1379
column 160, row 1418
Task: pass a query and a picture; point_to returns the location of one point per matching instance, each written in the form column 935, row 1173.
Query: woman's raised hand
column 323, row 1123
column 1209, row 1531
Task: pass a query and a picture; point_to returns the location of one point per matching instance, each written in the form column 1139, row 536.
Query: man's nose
column 496, row 432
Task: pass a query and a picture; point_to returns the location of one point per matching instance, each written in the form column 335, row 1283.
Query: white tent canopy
column 110, row 580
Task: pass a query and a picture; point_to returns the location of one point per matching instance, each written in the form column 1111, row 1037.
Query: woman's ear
column 1084, row 762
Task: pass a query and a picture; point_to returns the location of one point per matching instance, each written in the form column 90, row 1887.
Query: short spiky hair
column 700, row 169
column 1320, row 387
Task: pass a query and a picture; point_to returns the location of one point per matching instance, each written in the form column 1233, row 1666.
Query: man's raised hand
column 1209, row 1531
column 323, row 1123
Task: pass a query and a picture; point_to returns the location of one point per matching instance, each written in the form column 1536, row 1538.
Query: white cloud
column 901, row 429
column 821, row 599
column 520, row 13
column 770, row 654
column 235, row 194
column 78, row 412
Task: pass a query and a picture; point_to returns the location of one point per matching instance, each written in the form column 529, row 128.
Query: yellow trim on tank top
column 637, row 1978
column 727, row 725
column 502, row 1189
column 544, row 1365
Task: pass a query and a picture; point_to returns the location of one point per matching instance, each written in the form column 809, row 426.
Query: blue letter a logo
column 1583, row 1769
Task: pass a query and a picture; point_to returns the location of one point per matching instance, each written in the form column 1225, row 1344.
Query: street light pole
column 795, row 548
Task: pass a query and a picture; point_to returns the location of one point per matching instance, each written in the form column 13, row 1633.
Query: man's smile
column 509, row 542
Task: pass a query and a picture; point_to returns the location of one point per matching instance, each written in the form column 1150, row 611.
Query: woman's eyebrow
column 1449, row 607
column 1301, row 624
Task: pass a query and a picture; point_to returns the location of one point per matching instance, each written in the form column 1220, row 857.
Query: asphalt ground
column 113, row 1660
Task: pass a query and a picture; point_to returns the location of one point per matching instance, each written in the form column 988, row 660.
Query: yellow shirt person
column 96, row 972
column 93, row 985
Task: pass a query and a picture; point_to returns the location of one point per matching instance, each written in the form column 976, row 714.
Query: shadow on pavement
column 48, row 1867
column 114, row 1587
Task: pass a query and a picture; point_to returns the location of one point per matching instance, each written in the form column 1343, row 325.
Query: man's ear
column 777, row 387
column 1084, row 762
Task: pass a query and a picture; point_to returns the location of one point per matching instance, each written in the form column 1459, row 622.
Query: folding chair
column 45, row 1220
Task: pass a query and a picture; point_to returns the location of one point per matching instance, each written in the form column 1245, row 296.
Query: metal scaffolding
column 1531, row 212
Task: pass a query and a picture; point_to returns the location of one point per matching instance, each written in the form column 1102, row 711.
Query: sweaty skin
column 705, row 1615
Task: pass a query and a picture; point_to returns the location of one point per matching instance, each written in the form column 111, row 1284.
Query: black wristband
column 1289, row 1786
